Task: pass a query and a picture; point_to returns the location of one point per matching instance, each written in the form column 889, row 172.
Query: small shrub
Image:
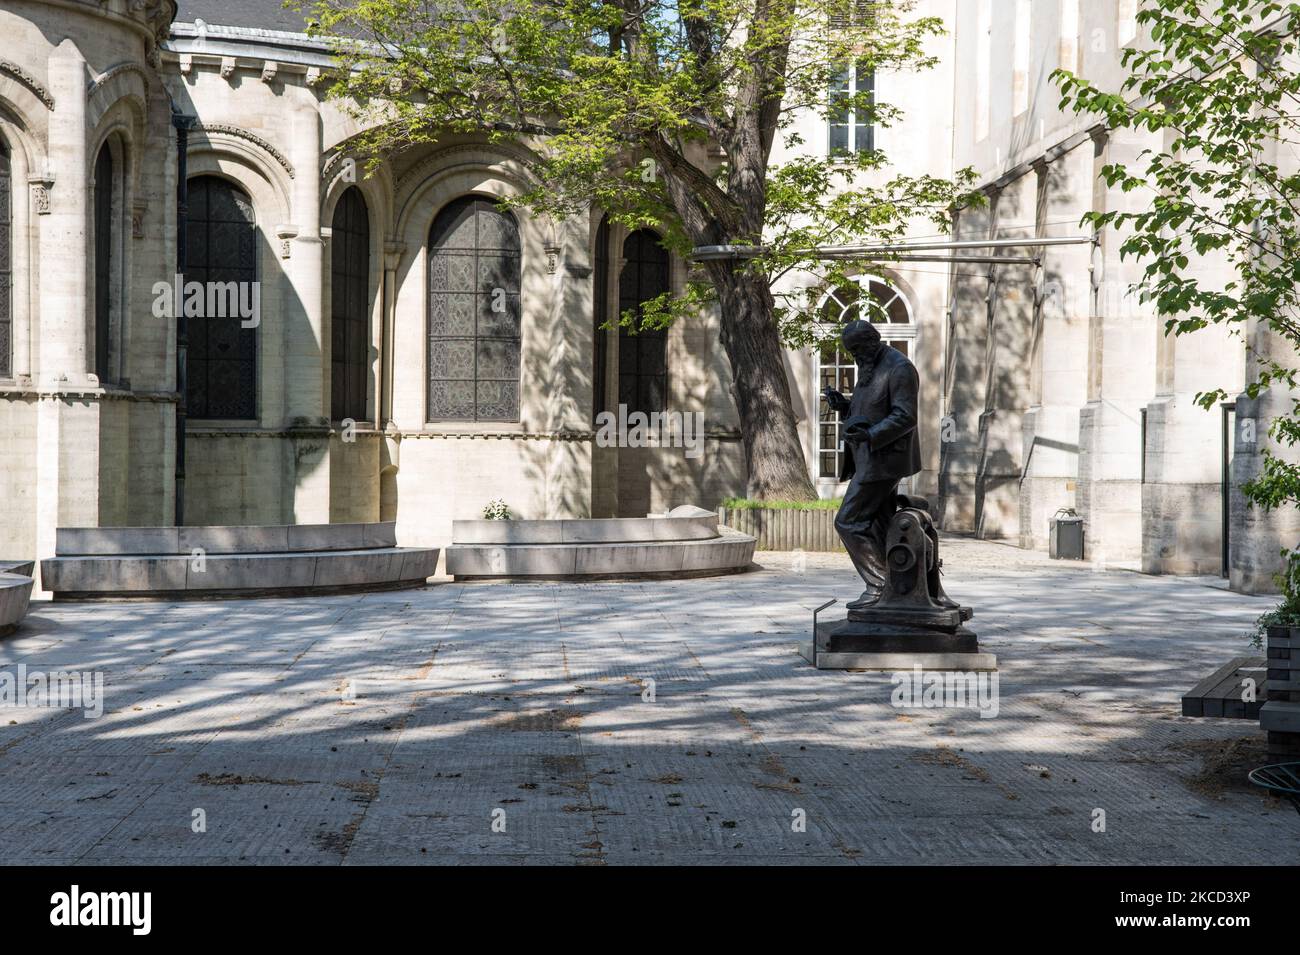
column 497, row 511
column 1287, row 613
column 745, row 504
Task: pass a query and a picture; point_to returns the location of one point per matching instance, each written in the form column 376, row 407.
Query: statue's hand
column 836, row 400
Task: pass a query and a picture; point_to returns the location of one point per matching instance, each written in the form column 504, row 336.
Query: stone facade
column 1043, row 385
column 1062, row 386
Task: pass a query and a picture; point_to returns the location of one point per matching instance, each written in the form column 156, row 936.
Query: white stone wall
column 1035, row 384
column 920, row 143
column 78, row 448
column 1082, row 365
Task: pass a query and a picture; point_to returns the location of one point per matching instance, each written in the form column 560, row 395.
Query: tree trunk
column 777, row 469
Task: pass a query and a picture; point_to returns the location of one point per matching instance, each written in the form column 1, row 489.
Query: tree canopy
column 667, row 114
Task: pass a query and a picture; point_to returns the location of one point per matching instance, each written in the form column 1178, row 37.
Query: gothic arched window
column 349, row 307
column 103, row 259
column 221, row 365
column 6, row 264
column 600, row 315
column 474, row 313
column 869, row 298
column 642, row 365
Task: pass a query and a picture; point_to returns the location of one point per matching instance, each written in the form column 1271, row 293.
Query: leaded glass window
column 103, row 258
column 642, row 366
column 600, row 315
column 350, row 307
column 474, row 313
column 222, row 359
column 885, row 307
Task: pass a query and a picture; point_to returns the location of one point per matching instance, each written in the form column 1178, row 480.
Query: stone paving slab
column 387, row 728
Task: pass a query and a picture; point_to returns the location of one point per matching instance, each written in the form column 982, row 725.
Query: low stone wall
column 783, row 529
column 271, row 560
column 612, row 530
column 15, row 595
column 686, row 542
column 234, row 539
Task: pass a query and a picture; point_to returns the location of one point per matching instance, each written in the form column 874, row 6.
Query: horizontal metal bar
column 961, row 244
column 954, row 259
column 712, row 252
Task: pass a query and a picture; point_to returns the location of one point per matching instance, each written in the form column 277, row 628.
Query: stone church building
column 378, row 375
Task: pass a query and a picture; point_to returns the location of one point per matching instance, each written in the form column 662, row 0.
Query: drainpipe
column 1225, row 486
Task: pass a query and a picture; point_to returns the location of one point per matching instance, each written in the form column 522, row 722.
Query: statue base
column 854, row 645
column 894, row 636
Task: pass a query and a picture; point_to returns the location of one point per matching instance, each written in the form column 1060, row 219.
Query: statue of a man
column 878, row 425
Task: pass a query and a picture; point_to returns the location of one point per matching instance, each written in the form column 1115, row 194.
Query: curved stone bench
column 235, row 561
column 612, row 530
column 686, row 542
column 15, row 595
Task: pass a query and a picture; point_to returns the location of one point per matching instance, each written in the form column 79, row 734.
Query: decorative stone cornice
column 11, row 69
column 225, row 129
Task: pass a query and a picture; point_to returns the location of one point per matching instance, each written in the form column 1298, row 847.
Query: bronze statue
column 881, row 448
column 890, row 537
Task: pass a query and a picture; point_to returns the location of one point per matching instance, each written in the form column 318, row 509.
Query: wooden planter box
column 778, row 529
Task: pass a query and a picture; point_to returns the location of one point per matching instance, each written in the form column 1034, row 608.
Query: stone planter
column 1280, row 716
column 780, row 529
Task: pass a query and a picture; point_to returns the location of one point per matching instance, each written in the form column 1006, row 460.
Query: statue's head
column 861, row 340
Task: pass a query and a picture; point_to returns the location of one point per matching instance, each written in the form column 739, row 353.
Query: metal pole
column 1225, row 486
column 954, row 259
column 182, row 124
column 710, row 252
column 963, row 244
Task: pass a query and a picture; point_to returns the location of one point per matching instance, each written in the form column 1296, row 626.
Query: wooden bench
column 1220, row 693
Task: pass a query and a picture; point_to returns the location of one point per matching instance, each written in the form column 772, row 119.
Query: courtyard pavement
column 514, row 723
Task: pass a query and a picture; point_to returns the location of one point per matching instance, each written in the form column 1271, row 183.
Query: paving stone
column 362, row 729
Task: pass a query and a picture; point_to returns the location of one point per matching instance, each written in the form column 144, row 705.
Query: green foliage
column 1287, row 613
column 497, row 511
column 746, row 504
column 664, row 113
column 1218, row 82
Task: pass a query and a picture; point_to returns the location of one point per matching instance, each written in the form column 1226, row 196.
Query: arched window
column 103, row 259
column 222, row 360
column 875, row 301
column 349, row 307
column 642, row 368
column 6, row 264
column 474, row 313
column 599, row 316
